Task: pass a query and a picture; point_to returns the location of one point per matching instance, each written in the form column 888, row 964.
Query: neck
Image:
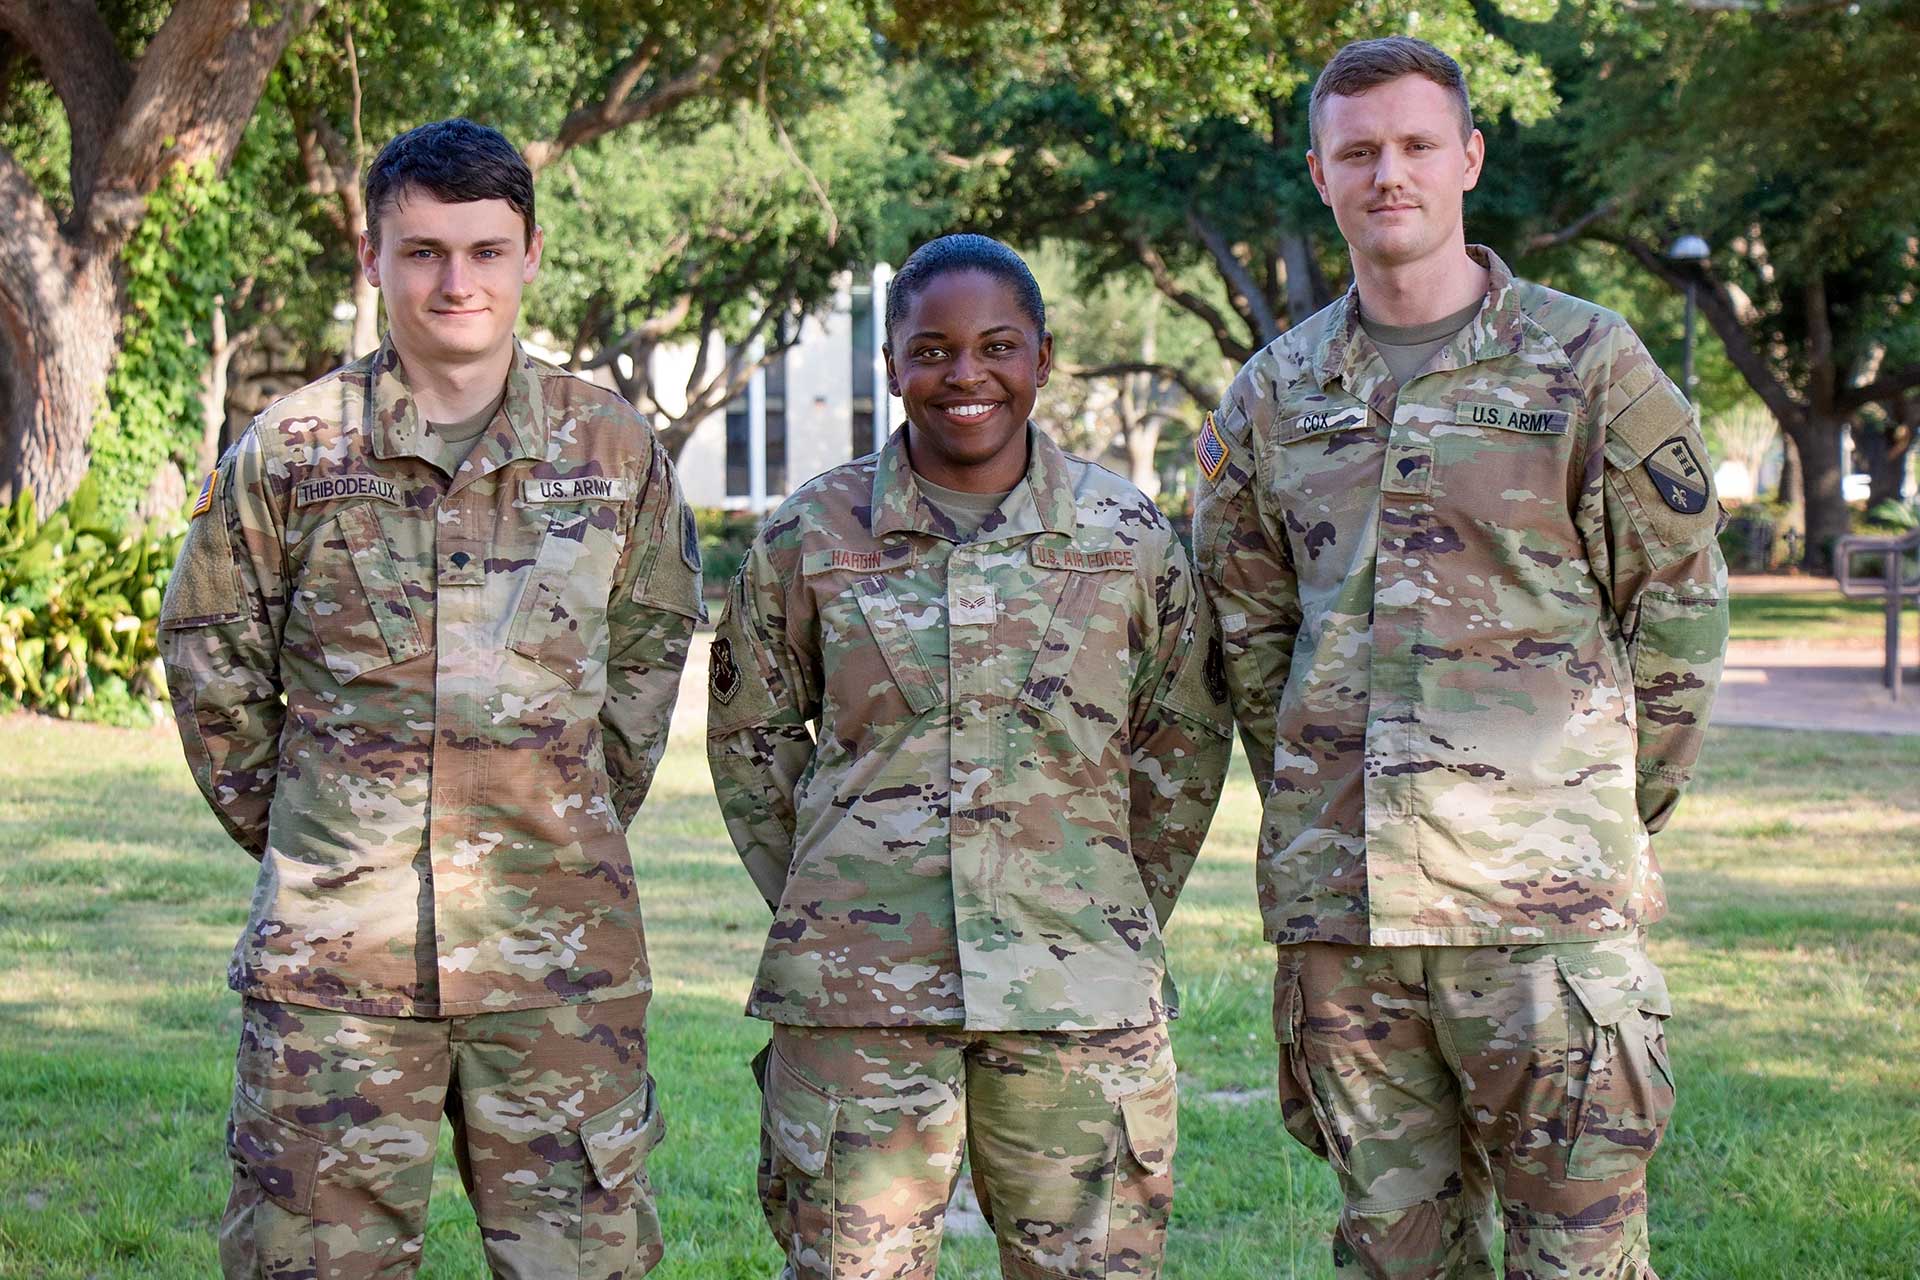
column 998, row 474
column 454, row 392
column 1421, row 292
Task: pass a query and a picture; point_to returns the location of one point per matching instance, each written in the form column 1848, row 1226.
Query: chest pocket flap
column 891, row 632
column 1080, row 676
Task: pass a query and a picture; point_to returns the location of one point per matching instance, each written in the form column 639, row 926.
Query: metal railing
column 1897, row 580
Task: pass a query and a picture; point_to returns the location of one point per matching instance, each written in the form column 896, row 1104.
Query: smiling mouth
column 968, row 410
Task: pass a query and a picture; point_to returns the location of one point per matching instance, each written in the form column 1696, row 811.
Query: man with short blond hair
column 1459, row 530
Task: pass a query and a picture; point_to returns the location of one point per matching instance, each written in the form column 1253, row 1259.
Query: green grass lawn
column 1793, row 953
column 1814, row 618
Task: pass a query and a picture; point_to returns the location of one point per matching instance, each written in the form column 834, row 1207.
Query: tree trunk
column 1887, row 456
column 1826, row 507
column 57, row 345
column 1142, row 438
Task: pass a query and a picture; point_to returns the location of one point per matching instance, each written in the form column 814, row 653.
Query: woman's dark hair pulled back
column 964, row 252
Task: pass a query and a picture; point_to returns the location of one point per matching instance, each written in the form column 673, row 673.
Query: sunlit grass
column 1793, row 952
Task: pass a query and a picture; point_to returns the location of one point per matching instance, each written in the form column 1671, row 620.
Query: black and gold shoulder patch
column 724, row 672
column 1678, row 475
column 1216, row 669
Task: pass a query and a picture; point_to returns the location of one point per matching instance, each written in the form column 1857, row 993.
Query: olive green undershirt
column 968, row 511
column 1407, row 347
column 465, row 434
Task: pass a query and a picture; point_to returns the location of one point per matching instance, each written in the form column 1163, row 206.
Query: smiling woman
column 967, row 351
column 968, row 729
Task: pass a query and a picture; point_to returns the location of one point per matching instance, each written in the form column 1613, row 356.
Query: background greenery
column 1793, row 952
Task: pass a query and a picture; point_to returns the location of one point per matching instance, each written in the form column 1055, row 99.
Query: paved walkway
column 1780, row 686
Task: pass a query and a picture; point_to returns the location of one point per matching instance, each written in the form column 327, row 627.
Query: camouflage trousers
column 1071, row 1135
column 1459, row 1090
column 336, row 1117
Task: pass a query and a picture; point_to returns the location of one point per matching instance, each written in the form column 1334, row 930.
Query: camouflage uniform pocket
column 267, row 1229
column 354, row 599
column 1080, row 676
column 620, row 1228
column 1300, row 1109
column 896, row 644
column 1620, row 1106
column 560, row 623
column 797, row 1124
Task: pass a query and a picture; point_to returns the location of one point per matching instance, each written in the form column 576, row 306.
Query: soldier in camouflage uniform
column 1460, row 534
column 423, row 673
column 967, row 726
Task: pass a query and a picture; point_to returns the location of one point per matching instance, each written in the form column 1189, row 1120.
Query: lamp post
column 1692, row 250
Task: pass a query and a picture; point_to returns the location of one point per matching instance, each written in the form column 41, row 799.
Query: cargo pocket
column 354, row 599
column 267, row 1229
column 619, row 1225
column 563, row 608
column 1300, row 1109
column 797, row 1123
column 1143, row 1187
column 1620, row 1104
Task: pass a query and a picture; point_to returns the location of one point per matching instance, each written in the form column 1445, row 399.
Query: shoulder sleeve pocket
column 1659, row 468
column 204, row 588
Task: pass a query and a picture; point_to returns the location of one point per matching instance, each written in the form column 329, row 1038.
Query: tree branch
column 1717, row 304
column 618, row 108
column 1248, row 298
column 1887, row 386
column 1163, row 280
column 192, row 95
column 1578, row 227
column 76, row 52
column 652, row 330
column 1200, row 393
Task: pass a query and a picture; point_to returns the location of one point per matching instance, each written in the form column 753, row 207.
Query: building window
column 739, row 448
column 776, row 425
column 862, row 434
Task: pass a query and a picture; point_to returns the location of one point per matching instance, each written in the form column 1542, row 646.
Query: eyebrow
column 935, row 333
column 428, row 242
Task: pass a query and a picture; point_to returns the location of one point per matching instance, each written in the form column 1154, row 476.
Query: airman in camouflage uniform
column 428, row 695
column 969, row 775
column 1473, row 622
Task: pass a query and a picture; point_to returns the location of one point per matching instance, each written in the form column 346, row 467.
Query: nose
column 965, row 371
column 454, row 280
column 1387, row 170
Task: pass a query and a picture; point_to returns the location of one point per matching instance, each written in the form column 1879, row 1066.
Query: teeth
column 969, row 410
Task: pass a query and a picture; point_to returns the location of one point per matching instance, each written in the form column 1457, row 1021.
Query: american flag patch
column 204, row 503
column 1209, row 450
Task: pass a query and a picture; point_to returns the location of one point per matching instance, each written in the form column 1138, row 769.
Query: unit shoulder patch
column 689, row 539
column 723, row 672
column 1678, row 475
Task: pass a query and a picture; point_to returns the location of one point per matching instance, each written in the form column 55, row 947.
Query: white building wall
column 819, row 405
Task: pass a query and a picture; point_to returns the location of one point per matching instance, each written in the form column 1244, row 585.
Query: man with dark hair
column 423, row 642
column 1459, row 530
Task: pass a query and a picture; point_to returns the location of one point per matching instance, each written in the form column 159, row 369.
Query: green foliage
column 725, row 536
column 79, row 610
column 177, row 260
column 1892, row 514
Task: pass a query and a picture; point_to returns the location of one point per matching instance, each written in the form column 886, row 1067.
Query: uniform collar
column 516, row 433
column 1346, row 354
column 1042, row 502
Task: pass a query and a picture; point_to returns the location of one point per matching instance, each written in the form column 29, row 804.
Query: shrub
column 79, row 611
column 725, row 536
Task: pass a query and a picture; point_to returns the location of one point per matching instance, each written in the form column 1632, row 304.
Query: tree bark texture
column 188, row 98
